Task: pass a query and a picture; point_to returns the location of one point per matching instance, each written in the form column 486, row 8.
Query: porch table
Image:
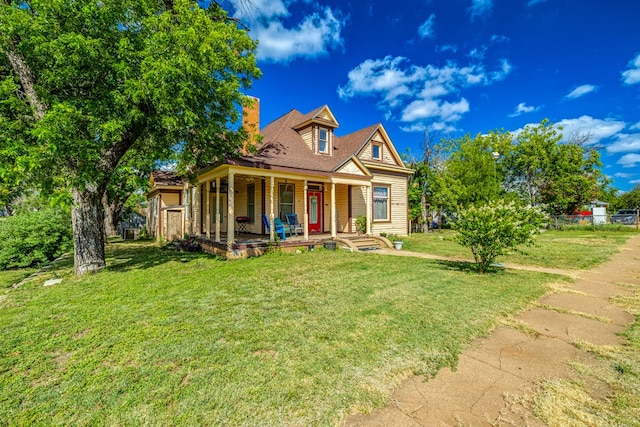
column 242, row 222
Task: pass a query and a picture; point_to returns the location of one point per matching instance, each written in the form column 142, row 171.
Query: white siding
column 398, row 202
column 307, row 136
column 342, row 206
column 358, row 204
column 351, row 168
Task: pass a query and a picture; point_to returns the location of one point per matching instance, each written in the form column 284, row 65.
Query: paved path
column 513, row 362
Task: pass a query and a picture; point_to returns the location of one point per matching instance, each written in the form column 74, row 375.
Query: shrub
column 34, row 237
column 361, row 224
column 493, row 229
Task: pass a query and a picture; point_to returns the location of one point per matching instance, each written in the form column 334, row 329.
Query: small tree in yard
column 493, row 229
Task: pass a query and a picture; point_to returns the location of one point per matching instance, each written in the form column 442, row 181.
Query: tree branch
column 27, row 81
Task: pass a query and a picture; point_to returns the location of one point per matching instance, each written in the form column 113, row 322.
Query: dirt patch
column 539, row 344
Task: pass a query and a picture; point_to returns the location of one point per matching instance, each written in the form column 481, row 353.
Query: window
column 381, row 203
column 376, row 152
column 251, row 203
column 323, row 141
column 286, row 193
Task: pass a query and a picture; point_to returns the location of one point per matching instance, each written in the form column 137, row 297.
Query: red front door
column 314, row 204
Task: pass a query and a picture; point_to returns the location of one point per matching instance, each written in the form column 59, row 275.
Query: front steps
column 364, row 243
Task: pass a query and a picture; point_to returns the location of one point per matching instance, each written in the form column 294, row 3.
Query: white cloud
column 417, row 93
column 447, row 48
column 629, row 160
column 622, row 175
column 581, row 91
column 430, row 108
column 632, row 75
column 426, row 29
column 313, row 36
column 522, row 108
column 534, row 2
column 383, row 77
column 480, row 8
column 505, row 70
column 499, row 38
column 625, row 143
column 635, row 127
column 597, row 129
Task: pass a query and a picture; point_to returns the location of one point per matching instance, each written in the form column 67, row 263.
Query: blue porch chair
column 295, row 225
column 279, row 229
column 284, row 226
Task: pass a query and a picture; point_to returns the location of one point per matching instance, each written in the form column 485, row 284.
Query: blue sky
column 457, row 66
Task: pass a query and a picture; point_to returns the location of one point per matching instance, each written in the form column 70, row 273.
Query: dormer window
column 376, row 151
column 323, row 141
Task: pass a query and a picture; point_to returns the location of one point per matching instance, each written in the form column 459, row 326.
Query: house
column 301, row 166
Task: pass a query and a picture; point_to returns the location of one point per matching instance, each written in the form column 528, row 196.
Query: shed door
column 174, row 225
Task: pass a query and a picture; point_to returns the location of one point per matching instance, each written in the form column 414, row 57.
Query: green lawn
column 165, row 338
column 568, row 249
column 10, row 277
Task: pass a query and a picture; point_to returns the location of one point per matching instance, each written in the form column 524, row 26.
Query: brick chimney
column 251, row 121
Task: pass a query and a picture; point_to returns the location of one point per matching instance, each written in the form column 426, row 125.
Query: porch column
column 218, row 210
column 207, row 190
column 271, row 214
column 368, row 209
column 231, row 193
column 186, row 224
column 197, row 208
column 305, row 216
column 333, row 210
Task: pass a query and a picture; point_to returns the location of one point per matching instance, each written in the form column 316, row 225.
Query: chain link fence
column 563, row 221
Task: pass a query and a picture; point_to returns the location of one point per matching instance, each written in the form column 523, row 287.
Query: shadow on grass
column 466, row 267
column 124, row 256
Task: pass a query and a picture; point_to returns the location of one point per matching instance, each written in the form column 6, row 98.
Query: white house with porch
column 301, row 166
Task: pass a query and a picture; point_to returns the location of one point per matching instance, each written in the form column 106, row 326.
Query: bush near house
column 492, row 229
column 34, row 237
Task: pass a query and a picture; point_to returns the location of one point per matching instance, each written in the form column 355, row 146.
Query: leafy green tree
column 493, row 229
column 131, row 177
column 421, row 183
column 630, row 199
column 102, row 79
column 473, row 172
column 544, row 171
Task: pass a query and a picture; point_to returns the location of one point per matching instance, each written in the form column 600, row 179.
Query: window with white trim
column 381, row 203
column 323, row 141
column 286, row 194
column 376, row 151
column 251, row 203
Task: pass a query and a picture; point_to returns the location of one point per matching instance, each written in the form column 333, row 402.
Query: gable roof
column 283, row 147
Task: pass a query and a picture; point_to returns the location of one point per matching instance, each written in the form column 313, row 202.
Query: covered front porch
column 225, row 208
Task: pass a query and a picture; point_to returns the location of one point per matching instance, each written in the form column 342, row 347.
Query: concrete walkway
column 510, row 361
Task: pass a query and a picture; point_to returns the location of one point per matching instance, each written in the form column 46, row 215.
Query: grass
column 10, row 277
column 569, row 249
column 166, row 338
column 562, row 402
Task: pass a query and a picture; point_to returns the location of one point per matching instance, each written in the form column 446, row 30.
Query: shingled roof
column 161, row 177
column 282, row 146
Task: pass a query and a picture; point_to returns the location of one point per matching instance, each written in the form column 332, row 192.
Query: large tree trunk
column 88, row 230
column 424, row 226
column 111, row 216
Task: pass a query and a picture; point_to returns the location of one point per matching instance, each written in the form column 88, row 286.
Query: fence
column 562, row 221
